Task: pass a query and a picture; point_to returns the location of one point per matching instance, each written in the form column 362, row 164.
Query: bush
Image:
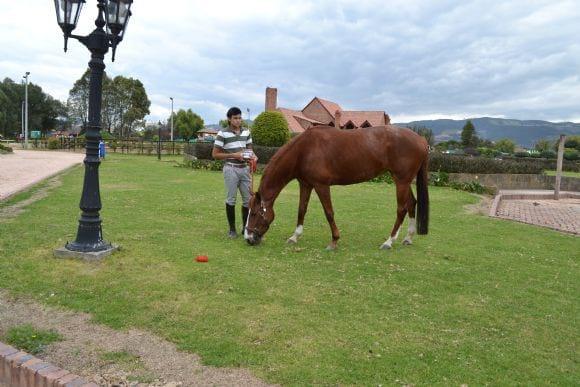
column 53, row 143
column 461, row 164
column 270, row 129
column 571, row 155
column 265, row 153
column 525, row 154
column 5, row 149
column 549, row 154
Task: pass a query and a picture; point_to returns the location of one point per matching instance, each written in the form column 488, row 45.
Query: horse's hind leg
column 412, row 222
column 402, row 199
column 305, row 191
column 323, row 192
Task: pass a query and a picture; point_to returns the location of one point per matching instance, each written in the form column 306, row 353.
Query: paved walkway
column 24, row 168
column 538, row 208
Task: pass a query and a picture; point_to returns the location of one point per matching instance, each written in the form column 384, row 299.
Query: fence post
column 559, row 167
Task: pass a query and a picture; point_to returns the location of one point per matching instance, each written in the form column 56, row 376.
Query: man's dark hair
column 233, row 112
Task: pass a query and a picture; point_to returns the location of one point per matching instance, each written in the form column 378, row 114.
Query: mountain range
column 523, row 132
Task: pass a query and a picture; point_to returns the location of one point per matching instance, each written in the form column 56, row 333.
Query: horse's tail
column 423, row 198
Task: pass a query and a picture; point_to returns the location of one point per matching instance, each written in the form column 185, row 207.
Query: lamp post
column 114, row 15
column 26, row 109
column 171, row 98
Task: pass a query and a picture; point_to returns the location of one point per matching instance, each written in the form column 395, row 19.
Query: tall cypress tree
column 468, row 135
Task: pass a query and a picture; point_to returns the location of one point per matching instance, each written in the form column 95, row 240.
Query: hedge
column 437, row 161
column 202, row 150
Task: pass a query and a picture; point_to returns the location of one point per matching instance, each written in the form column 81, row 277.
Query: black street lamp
column 114, row 15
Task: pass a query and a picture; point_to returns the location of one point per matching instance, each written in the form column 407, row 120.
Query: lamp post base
column 63, row 252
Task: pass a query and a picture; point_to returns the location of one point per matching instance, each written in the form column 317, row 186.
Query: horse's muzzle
column 254, row 239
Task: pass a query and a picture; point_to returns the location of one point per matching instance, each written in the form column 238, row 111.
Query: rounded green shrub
column 53, row 143
column 270, row 129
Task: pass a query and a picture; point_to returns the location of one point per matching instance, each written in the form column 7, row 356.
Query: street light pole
column 171, row 98
column 89, row 243
column 26, row 110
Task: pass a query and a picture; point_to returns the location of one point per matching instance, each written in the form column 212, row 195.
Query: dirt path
column 24, row 168
column 109, row 357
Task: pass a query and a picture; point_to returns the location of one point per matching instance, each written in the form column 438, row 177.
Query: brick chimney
column 271, row 99
column 337, row 117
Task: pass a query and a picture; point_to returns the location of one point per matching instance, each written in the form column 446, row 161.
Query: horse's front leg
column 305, row 191
column 323, row 192
column 402, row 200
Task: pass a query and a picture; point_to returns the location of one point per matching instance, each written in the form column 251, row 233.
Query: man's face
column 236, row 121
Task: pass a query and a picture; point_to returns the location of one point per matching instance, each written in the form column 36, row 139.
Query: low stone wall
column 517, row 181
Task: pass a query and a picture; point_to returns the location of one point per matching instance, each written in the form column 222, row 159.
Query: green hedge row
column 202, row 150
column 437, row 161
column 5, row 149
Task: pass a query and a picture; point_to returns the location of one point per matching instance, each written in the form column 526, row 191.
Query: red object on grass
column 201, row 258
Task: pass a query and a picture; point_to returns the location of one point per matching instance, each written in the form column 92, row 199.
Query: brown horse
column 323, row 156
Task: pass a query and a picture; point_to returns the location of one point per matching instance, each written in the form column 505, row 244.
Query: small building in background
column 323, row 112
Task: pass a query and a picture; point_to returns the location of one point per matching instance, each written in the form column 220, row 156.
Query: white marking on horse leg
column 297, row 233
column 247, row 235
column 389, row 242
column 410, row 232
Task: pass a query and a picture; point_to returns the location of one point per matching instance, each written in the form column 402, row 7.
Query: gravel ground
column 87, row 348
column 23, row 168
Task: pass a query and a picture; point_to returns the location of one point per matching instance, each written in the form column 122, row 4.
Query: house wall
column 316, row 111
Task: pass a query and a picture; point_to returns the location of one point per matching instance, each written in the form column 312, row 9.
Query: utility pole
column 171, row 98
column 26, row 110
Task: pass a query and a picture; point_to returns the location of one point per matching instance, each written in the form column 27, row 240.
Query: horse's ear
column 257, row 197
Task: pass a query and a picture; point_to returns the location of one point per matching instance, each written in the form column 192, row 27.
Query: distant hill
column 524, row 133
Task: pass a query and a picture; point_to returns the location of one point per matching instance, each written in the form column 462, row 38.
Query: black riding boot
column 231, row 213
column 245, row 213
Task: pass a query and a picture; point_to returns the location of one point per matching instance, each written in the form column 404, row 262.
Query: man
column 234, row 145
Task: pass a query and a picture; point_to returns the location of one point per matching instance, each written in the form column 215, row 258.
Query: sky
column 413, row 59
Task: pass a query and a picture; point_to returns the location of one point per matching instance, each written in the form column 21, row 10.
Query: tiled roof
column 375, row 118
column 358, row 118
column 329, row 105
column 293, row 125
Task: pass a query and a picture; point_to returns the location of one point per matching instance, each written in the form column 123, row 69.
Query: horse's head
column 259, row 220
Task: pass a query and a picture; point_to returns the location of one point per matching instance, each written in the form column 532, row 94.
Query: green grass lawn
column 564, row 173
column 477, row 301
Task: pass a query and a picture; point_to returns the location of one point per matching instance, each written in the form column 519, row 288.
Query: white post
column 26, row 110
column 171, row 98
column 559, row 167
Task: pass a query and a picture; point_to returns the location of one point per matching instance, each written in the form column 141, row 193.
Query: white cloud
column 416, row 58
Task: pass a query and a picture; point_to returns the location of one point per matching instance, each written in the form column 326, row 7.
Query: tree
column 572, row 142
column 43, row 110
column 543, row 145
column 130, row 104
column 78, row 100
column 186, row 123
column 270, row 129
column 124, row 104
column 505, row 145
column 425, row 132
column 468, row 135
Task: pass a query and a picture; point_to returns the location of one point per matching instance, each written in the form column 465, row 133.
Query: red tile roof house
column 322, row 112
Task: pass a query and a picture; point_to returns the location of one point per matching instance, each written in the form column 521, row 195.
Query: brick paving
column 562, row 215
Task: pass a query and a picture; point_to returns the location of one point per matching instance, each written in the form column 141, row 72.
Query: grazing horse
column 323, row 156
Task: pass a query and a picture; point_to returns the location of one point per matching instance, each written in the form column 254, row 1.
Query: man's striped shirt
column 230, row 142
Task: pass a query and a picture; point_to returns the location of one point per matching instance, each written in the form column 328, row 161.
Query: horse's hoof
column 407, row 242
column 385, row 246
column 330, row 248
column 291, row 241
